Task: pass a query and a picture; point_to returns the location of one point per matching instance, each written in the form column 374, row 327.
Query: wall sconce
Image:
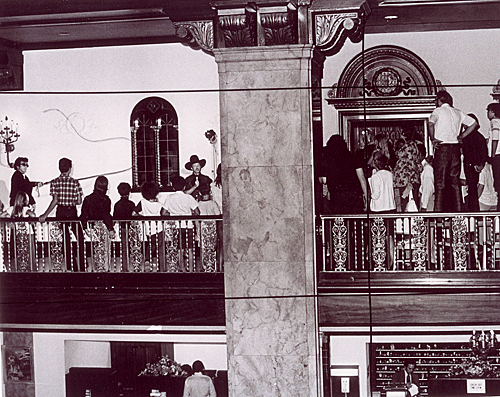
column 8, row 135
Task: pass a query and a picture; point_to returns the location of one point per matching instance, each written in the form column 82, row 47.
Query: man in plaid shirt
column 66, row 194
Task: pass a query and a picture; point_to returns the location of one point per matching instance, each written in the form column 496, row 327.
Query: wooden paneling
column 112, row 299
column 410, row 298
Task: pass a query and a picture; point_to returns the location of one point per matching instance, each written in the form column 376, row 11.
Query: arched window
column 155, row 143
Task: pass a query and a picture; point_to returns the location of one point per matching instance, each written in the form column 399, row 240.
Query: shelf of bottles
column 433, row 360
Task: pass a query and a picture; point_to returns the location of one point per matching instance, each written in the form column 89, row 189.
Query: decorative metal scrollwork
column 379, row 232
column 459, row 230
column 339, row 240
column 22, row 246
column 100, row 247
column 419, row 243
column 135, row 246
column 172, row 259
column 208, row 231
column 56, row 245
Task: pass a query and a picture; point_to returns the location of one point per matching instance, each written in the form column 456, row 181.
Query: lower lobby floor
column 355, row 361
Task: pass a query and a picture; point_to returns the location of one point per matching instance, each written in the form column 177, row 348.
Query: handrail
column 411, row 242
column 141, row 244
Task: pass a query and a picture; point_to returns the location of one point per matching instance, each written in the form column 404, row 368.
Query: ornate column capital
column 258, row 23
column 332, row 27
column 196, row 34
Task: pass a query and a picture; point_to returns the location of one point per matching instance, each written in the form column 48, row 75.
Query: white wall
column 77, row 104
column 456, row 58
column 91, row 354
column 55, row 353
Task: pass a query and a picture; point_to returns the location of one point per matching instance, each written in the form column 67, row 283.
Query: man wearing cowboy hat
column 196, row 178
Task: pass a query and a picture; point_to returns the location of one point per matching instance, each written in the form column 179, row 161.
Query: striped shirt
column 68, row 190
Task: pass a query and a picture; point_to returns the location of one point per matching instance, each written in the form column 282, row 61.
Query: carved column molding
column 237, row 30
column 197, row 34
column 252, row 24
column 331, row 29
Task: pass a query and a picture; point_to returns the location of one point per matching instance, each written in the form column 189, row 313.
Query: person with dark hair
column 475, row 153
column 493, row 113
column 196, row 179
column 338, row 171
column 381, row 185
column 445, row 131
column 485, row 189
column 149, row 204
column 124, row 208
column 187, row 369
column 66, row 194
column 407, row 172
column 199, row 385
column 206, row 204
column 20, row 209
column 181, row 203
column 21, row 183
column 97, row 207
column 407, row 377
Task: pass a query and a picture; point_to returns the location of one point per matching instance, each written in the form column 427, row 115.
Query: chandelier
column 483, row 343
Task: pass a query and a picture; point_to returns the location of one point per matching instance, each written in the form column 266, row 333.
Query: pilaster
column 267, row 168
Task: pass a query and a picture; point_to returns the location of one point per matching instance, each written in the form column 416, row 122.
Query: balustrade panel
column 409, row 242
column 160, row 244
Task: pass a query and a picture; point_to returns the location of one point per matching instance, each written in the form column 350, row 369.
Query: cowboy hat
column 194, row 159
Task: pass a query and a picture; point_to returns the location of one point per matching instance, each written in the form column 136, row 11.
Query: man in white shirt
column 445, row 126
column 199, row 385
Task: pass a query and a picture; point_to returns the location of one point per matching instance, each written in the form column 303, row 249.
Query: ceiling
column 46, row 24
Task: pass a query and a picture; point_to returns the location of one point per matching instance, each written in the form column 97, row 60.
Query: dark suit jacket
column 399, row 377
column 21, row 183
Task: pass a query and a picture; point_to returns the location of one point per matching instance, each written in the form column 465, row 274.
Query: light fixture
column 391, row 17
column 482, row 343
column 8, row 135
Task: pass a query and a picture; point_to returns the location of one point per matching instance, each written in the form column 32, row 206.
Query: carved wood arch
column 386, row 76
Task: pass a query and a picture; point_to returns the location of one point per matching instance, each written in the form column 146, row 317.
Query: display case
column 433, row 361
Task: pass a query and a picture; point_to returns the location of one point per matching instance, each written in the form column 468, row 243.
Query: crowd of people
column 189, row 196
column 384, row 176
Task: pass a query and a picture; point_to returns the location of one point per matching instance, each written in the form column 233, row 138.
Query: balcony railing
column 153, row 244
column 411, row 242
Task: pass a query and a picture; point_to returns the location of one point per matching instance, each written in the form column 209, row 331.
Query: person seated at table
column 407, row 377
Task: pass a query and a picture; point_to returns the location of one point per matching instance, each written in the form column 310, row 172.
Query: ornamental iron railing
column 155, row 244
column 410, row 242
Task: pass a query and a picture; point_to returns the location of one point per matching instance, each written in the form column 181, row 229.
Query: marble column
column 267, row 168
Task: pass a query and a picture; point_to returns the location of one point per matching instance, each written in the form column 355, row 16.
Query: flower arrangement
column 163, row 367
column 474, row 367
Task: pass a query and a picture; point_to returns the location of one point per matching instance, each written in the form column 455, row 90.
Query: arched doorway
column 384, row 89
